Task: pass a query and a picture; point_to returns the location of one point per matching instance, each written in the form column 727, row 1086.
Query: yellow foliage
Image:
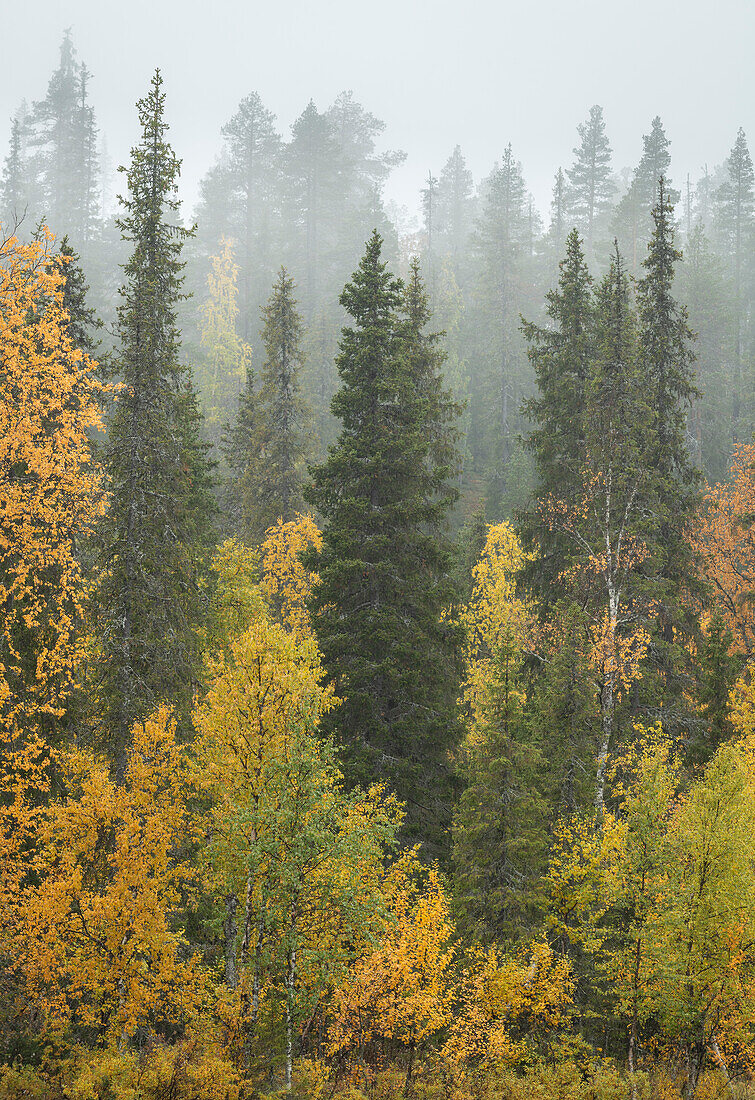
column 286, row 583
column 400, row 991
column 494, row 616
column 227, row 357
column 237, row 599
column 50, row 488
column 498, row 996
column 193, row 1069
column 95, row 940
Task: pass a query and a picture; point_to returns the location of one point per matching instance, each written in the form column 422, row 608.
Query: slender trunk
column 633, row 1028
column 722, row 1064
column 606, row 708
column 290, row 982
column 257, row 975
column 230, row 929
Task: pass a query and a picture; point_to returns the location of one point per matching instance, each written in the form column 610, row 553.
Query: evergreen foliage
column 269, row 443
column 561, row 356
column 590, row 187
column 385, row 565
column 159, row 524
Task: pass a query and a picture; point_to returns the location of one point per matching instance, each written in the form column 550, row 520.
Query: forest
column 377, row 711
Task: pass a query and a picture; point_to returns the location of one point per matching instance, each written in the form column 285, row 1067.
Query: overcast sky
column 479, row 73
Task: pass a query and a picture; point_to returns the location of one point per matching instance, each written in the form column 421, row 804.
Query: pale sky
column 478, row 73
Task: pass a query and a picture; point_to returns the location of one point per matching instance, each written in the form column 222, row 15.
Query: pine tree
column 735, row 225
column 558, row 225
column 312, row 160
column 14, row 188
column 271, row 475
column 590, row 188
column 240, row 199
column 158, row 526
column 63, row 151
column 561, row 356
column 430, row 222
column 385, row 566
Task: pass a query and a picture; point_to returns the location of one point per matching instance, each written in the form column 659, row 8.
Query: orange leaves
column 50, row 489
column 725, row 539
column 401, row 991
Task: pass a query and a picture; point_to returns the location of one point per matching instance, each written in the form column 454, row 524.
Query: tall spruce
column 500, row 243
column 385, row 565
column 673, row 498
column 161, row 509
column 273, row 441
column 560, row 354
column 632, row 219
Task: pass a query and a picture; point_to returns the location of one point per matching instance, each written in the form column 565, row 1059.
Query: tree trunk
column 606, row 709
column 290, row 981
column 230, row 929
column 722, row 1064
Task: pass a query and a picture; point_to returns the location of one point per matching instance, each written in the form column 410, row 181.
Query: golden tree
column 50, row 488
column 725, row 540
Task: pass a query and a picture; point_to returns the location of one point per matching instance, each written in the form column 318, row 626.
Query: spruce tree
column 500, row 243
column 633, row 223
column 83, row 321
column 673, row 490
column 385, row 565
column 561, row 355
column 271, row 473
column 454, row 209
column 160, row 512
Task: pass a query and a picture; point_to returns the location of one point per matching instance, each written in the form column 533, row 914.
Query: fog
column 479, row 74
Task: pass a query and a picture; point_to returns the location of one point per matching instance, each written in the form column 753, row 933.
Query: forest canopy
column 376, row 686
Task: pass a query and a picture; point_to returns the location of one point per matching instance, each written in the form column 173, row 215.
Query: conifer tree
column 160, row 512
column 454, row 208
column 500, row 243
column 240, row 198
column 385, row 566
column 735, row 225
column 590, row 185
column 673, row 495
column 13, row 189
column 633, row 224
column 82, row 319
column 62, row 146
column 561, row 356
column 269, row 462
column 311, row 158
column 558, row 224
